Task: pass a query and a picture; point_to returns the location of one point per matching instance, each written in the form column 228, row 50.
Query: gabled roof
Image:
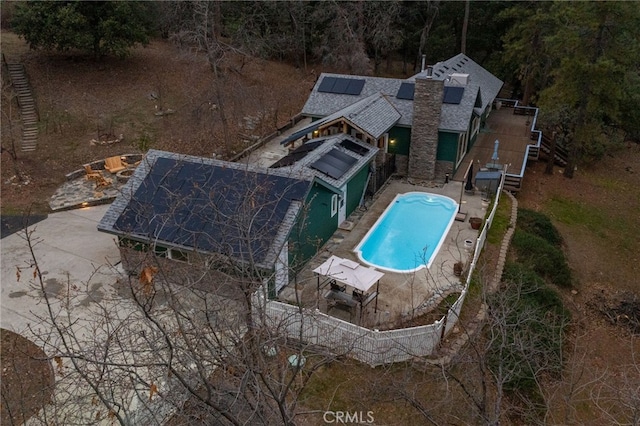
column 489, row 84
column 208, row 205
column 347, row 153
column 374, row 115
column 453, row 117
column 321, row 104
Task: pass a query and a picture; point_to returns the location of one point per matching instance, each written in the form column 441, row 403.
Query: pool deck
column 401, row 295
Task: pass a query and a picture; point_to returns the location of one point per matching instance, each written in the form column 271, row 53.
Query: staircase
column 561, row 153
column 27, row 105
column 512, row 183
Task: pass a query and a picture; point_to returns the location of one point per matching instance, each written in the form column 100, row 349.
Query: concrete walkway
column 70, row 251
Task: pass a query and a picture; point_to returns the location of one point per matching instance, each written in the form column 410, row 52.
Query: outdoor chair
column 337, row 287
column 114, row 164
column 95, row 175
column 92, row 174
column 103, row 182
column 358, row 296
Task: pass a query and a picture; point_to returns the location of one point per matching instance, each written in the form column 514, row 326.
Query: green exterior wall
column 355, row 187
column 447, row 146
column 402, row 137
column 313, row 228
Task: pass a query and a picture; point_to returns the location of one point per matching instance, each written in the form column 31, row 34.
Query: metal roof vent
column 457, row 78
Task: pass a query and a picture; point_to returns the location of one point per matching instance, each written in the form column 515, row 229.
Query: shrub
column 544, row 258
column 527, row 321
column 538, row 224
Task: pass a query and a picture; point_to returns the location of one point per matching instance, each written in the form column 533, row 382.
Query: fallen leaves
column 147, row 275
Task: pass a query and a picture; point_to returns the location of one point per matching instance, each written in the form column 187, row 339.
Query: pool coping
column 434, row 253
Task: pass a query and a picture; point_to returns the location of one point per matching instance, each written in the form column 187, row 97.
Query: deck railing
column 532, row 151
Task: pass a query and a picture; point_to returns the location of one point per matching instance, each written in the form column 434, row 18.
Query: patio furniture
column 135, row 164
column 339, row 297
column 337, row 287
column 114, row 164
column 96, row 176
column 103, row 182
column 347, row 272
column 92, row 174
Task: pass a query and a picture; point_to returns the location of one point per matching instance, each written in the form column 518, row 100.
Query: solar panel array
column 297, row 154
column 354, row 147
column 453, row 94
column 341, row 86
column 210, row 208
column 406, row 91
column 334, row 163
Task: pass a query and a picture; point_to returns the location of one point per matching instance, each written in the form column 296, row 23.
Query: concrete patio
column 401, row 296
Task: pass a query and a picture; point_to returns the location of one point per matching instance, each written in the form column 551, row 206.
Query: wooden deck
column 513, row 131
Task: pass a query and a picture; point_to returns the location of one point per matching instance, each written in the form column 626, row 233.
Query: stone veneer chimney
column 427, row 103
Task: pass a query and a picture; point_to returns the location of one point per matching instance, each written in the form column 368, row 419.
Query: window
column 334, row 204
column 178, row 255
column 160, row 251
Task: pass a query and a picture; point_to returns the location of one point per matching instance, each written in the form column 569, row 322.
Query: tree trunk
column 465, row 25
column 552, row 155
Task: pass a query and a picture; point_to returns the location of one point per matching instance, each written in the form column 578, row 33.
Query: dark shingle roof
column 208, row 205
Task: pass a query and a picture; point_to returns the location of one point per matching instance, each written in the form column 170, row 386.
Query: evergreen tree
column 96, row 27
column 594, row 51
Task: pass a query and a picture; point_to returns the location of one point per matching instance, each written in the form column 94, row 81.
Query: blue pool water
column 409, row 233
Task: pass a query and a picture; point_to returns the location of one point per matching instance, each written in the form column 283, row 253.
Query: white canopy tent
column 359, row 277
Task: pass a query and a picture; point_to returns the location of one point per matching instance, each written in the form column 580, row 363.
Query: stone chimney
column 427, row 103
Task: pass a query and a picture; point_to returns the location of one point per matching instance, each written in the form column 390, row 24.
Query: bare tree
column 200, row 27
column 430, row 16
column 9, row 137
column 465, row 25
column 182, row 339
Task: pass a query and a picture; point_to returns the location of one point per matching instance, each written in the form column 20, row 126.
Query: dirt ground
column 80, row 100
column 160, row 97
column 27, row 378
column 597, row 214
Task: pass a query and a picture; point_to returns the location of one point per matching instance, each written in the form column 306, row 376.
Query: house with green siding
column 200, row 218
column 341, row 165
column 427, row 123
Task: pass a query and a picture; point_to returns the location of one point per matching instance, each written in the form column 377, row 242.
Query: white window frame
column 334, row 204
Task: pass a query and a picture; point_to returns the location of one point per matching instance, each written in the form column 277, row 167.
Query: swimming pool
column 409, row 233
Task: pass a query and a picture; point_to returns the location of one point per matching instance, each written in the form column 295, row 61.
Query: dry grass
column 80, row 99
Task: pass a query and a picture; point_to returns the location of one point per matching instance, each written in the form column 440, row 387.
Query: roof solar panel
column 453, row 94
column 355, row 86
column 406, row 91
column 341, row 85
column 345, row 158
column 326, row 168
column 164, row 166
column 354, row 147
column 326, row 85
column 203, row 206
column 334, row 163
column 297, row 154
